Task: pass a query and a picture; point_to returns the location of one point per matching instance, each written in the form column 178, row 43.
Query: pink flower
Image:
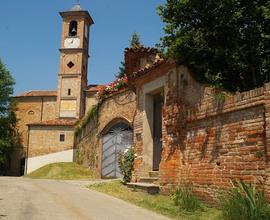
column 114, row 86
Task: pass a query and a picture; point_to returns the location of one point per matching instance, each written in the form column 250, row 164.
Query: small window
column 31, row 112
column 70, row 64
column 73, row 28
column 62, row 137
column 69, row 91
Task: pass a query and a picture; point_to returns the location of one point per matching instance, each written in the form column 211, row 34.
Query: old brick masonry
column 209, row 137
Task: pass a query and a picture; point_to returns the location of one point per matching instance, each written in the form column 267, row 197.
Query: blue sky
column 30, row 34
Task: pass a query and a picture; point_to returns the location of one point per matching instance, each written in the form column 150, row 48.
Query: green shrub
column 244, row 202
column 126, row 162
column 185, row 200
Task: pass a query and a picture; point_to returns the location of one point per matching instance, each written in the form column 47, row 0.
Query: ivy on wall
column 89, row 116
column 103, row 93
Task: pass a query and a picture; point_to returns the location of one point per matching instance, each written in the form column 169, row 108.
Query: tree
column 134, row 43
column 8, row 134
column 122, row 70
column 225, row 43
column 135, row 40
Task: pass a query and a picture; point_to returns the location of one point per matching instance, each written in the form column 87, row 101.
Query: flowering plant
column 126, row 163
column 114, row 86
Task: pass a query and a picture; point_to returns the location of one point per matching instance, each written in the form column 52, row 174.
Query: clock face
column 72, row 42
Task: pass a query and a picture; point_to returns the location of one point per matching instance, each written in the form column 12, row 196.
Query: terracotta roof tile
column 56, row 122
column 37, row 94
column 94, row 88
column 141, row 49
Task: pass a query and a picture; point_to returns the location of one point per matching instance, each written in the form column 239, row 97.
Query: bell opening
column 73, row 28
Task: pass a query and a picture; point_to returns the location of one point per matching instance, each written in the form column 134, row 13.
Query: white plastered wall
column 35, row 163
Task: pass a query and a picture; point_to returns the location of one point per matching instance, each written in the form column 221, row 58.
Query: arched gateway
column 117, row 139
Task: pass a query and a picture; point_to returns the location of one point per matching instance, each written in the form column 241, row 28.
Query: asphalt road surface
column 28, row 199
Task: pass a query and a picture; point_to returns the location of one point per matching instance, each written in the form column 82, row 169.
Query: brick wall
column 46, row 139
column 267, row 135
column 209, row 137
column 87, row 144
column 137, row 58
column 29, row 110
column 32, row 110
column 138, row 137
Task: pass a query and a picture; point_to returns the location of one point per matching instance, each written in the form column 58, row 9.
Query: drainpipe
column 27, row 151
column 41, row 114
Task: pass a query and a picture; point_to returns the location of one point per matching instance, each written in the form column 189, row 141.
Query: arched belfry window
column 73, row 28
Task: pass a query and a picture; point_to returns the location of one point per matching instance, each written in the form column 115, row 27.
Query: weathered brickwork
column 90, row 100
column 267, row 134
column 32, row 110
column 209, row 137
column 118, row 107
column 87, row 145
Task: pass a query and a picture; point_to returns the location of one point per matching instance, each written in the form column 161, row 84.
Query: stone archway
column 116, row 138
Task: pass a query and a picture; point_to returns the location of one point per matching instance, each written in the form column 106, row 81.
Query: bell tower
column 74, row 54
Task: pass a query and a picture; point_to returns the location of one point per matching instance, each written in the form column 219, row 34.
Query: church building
column 46, row 119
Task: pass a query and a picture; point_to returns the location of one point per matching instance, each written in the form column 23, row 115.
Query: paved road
column 27, row 199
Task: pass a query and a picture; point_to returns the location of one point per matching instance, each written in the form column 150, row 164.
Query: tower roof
column 77, row 10
column 76, row 7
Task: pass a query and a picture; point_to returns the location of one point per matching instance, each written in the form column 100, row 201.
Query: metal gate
column 119, row 138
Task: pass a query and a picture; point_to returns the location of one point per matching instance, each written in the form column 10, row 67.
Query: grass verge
column 158, row 203
column 63, row 171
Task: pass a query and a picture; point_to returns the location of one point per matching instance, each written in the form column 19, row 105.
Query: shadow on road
column 2, row 216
